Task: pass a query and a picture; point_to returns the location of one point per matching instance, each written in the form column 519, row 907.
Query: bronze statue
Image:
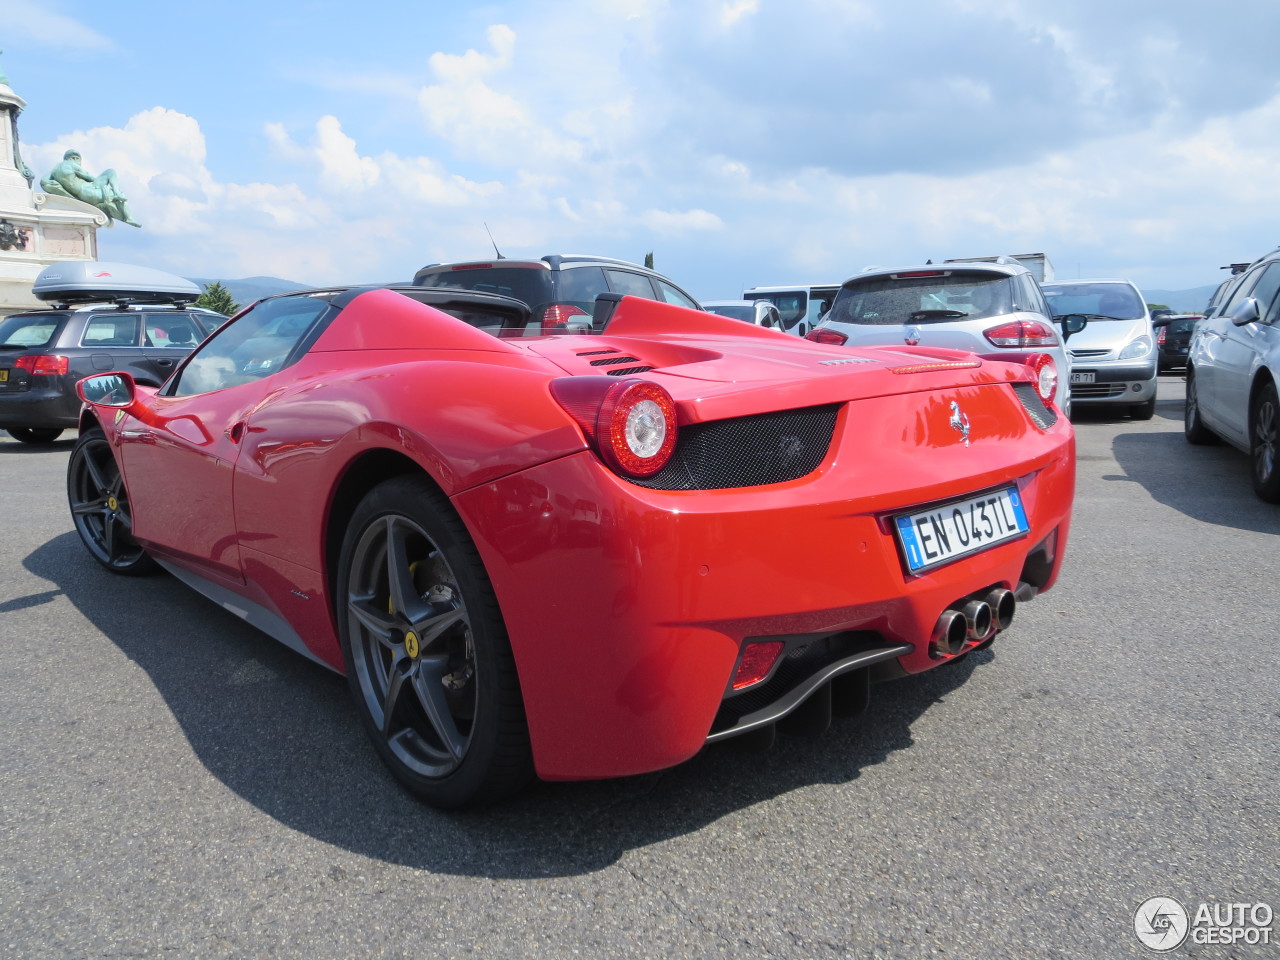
column 69, row 179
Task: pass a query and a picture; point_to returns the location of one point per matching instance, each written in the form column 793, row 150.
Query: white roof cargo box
column 94, row 281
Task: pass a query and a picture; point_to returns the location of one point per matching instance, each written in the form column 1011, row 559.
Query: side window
column 171, row 330
column 257, row 344
column 1243, row 289
column 579, row 285
column 673, row 295
column 1266, row 290
column 630, row 284
column 112, row 330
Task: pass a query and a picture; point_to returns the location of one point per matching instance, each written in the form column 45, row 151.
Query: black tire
column 1193, row 427
column 100, row 507
column 1264, row 438
column 1143, row 411
column 39, row 436
column 426, row 651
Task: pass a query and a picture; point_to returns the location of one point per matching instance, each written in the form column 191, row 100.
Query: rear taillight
column 1046, row 375
column 43, row 364
column 1022, row 333
column 827, row 335
column 1160, row 335
column 631, row 423
column 556, row 317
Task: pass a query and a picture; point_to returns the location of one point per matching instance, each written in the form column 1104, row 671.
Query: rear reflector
column 757, row 660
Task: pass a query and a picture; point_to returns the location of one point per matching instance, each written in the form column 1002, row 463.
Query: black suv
column 44, row 353
column 560, row 290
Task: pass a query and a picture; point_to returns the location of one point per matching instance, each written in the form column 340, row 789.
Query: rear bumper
column 627, row 608
column 50, row 402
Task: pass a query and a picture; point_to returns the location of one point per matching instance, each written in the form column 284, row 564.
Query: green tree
column 216, row 297
column 1153, row 307
column 648, row 259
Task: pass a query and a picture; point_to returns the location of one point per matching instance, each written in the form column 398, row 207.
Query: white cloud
column 36, row 25
column 670, row 221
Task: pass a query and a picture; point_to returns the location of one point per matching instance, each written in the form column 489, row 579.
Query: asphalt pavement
column 174, row 784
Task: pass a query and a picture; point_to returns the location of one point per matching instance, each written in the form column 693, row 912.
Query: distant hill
column 245, row 291
column 1182, row 301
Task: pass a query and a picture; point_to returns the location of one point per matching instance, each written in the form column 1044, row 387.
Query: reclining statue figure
column 69, row 179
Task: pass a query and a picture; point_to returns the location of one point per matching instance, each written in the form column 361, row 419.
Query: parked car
column 1114, row 361
column 104, row 316
column 989, row 308
column 1173, row 339
column 762, row 313
column 1233, row 370
column 585, row 556
column 800, row 305
column 561, row 290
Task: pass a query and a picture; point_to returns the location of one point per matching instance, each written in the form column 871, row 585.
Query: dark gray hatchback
column 561, row 291
column 44, row 353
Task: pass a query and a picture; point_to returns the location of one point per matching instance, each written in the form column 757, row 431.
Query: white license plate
column 946, row 532
column 1084, row 376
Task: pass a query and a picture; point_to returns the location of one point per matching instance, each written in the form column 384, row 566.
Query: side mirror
column 1072, row 323
column 1244, row 312
column 108, row 389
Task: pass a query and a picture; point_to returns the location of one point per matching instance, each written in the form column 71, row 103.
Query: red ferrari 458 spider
column 584, row 555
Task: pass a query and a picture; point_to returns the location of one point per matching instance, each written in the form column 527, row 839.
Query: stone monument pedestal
column 36, row 229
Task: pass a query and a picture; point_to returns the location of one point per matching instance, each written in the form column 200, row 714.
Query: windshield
column 1113, row 301
column 745, row 312
column 934, row 298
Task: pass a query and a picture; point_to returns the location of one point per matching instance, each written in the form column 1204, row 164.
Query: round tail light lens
column 636, row 428
column 1046, row 376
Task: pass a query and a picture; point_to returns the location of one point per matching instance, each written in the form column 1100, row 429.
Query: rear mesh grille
column 1043, row 415
column 747, row 451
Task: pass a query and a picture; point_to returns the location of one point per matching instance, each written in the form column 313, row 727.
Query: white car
column 1233, row 369
column 1113, row 362
column 983, row 307
column 762, row 313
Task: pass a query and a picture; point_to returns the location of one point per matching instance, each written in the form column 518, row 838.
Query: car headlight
column 1138, row 348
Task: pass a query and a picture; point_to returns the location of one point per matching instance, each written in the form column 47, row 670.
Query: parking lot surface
column 174, row 784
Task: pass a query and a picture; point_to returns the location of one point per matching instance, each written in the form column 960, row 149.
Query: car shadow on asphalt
column 282, row 733
column 1210, row 483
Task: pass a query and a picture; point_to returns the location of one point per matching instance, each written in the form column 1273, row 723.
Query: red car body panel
column 627, row 607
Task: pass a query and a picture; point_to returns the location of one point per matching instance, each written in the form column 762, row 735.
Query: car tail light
column 43, row 364
column 1046, row 375
column 756, row 662
column 631, row 423
column 919, row 273
column 827, row 335
column 1022, row 333
column 556, row 317
column 1160, row 335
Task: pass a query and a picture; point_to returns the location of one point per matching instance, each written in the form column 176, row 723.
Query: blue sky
column 742, row 141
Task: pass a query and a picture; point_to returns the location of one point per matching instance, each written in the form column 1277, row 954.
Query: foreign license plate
column 1084, row 376
column 956, row 529
column 4, row 376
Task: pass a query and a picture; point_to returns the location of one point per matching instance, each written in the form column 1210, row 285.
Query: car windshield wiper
column 937, row 314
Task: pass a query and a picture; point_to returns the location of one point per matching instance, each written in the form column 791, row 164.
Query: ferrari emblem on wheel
column 411, row 645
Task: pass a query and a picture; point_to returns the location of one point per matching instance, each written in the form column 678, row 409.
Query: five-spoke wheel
column 100, row 507
column 1264, row 429
column 426, row 650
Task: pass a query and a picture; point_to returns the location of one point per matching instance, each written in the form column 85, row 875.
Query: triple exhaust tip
column 972, row 620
